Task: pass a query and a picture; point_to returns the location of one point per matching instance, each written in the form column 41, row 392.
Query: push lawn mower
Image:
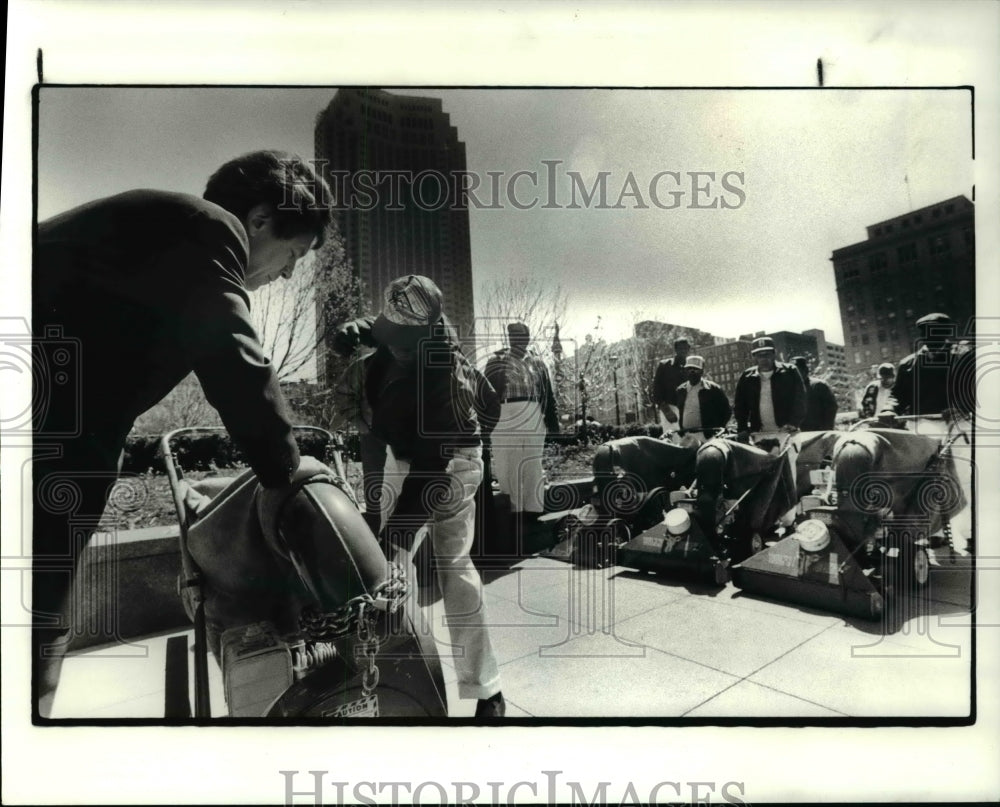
column 296, row 601
column 879, row 499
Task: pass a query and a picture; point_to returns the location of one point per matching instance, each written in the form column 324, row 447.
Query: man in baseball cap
column 770, row 397
column 702, row 404
column 430, row 407
column 877, row 396
column 669, row 375
column 924, row 377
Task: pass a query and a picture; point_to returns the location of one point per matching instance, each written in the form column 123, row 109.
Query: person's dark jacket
column 932, row 382
column 821, row 408
column 669, row 375
column 146, row 287
column 715, row 408
column 788, row 395
column 496, row 374
column 422, row 412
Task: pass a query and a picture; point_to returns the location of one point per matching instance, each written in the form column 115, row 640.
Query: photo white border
column 641, row 44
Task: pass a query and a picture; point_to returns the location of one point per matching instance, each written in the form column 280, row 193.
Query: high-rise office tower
column 396, row 165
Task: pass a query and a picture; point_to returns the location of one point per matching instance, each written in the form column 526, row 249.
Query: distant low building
column 725, row 362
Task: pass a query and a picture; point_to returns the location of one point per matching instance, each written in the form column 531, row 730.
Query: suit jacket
column 715, row 408
column 787, row 392
column 821, row 408
column 669, row 375
column 144, row 288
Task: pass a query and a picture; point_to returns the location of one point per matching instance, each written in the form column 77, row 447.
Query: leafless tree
column 185, row 405
column 530, row 299
column 294, row 317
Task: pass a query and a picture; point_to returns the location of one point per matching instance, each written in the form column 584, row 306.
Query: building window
column 864, row 339
column 877, row 262
column 938, row 244
column 881, row 335
column 907, row 253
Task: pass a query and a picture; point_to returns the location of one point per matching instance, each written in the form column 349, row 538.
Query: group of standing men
column 772, row 398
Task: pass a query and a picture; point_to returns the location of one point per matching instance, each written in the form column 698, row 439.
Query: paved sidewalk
column 614, row 643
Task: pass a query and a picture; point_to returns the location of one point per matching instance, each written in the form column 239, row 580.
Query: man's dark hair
column 301, row 199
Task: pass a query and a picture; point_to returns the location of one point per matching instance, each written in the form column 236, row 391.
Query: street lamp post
column 614, row 377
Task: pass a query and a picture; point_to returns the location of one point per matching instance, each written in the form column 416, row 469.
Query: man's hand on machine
column 347, row 338
column 270, row 500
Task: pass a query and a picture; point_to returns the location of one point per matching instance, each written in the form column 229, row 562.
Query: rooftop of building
column 943, row 213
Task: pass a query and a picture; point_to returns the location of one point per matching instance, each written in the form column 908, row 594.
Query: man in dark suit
column 821, row 403
column 670, row 375
column 141, row 289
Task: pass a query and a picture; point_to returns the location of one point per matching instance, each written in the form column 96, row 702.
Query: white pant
column 961, row 452
column 518, row 447
column 451, row 528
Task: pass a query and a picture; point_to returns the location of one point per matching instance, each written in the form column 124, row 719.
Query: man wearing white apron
column 527, row 414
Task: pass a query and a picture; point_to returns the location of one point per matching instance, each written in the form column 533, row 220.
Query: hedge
column 203, row 452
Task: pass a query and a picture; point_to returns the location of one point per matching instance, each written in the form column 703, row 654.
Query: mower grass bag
column 890, row 490
column 738, row 494
column 632, row 478
column 305, row 614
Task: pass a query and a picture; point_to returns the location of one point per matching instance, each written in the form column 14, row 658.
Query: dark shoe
column 491, row 708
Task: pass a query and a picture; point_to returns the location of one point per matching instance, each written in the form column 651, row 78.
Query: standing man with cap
column 770, row 397
column 527, row 414
column 430, row 406
column 821, row 403
column 927, row 382
column 938, row 381
column 877, row 397
column 702, row 404
column 670, row 375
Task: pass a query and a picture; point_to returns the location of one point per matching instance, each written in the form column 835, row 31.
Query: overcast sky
column 816, row 167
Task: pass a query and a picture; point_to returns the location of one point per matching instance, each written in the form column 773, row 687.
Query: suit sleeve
column 487, row 403
column 902, row 390
column 722, row 410
column 660, row 391
column 549, row 404
column 237, row 378
column 741, row 404
column 799, row 403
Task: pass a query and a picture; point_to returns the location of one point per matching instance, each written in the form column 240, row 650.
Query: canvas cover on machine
column 642, row 463
column 267, row 556
column 765, row 478
column 907, row 475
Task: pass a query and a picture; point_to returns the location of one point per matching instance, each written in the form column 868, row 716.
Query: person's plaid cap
column 413, row 304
